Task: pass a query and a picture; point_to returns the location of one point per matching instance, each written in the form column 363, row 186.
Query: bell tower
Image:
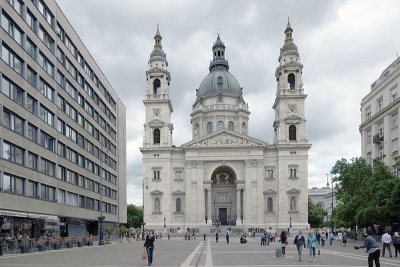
column 158, row 126
column 289, row 125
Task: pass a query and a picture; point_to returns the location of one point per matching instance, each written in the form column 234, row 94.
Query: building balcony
column 377, row 139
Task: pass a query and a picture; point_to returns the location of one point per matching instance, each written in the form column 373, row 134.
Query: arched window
column 178, row 205
column 244, row 128
column 291, row 81
column 209, row 127
column 156, row 86
column 293, row 204
column 220, row 125
column 231, row 126
column 156, row 136
column 219, row 53
column 292, row 132
column 157, row 205
column 270, row 204
column 219, row 99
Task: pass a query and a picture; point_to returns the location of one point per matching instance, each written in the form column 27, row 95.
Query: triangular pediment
column 293, row 117
column 293, row 191
column 224, row 138
column 178, row 193
column 156, row 70
column 156, row 193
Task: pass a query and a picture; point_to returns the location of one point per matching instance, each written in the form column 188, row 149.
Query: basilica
column 224, row 176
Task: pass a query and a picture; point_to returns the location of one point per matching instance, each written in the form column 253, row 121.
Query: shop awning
column 12, row 213
column 43, row 217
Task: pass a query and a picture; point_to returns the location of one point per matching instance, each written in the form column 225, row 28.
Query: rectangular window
column 13, row 153
column 8, row 56
column 13, row 121
column 44, row 10
column 395, row 146
column 60, row 78
column 70, row 68
column 46, row 89
column 46, row 115
column 47, row 192
column 32, row 189
column 156, row 175
column 71, row 90
column 60, row 55
column 395, row 121
column 60, row 126
column 32, row 132
column 60, row 32
column 31, row 104
column 88, row 71
column 80, row 59
column 71, row 47
column 17, row 5
column 369, row 137
column 61, row 196
column 31, row 76
column 11, row 28
column 30, row 48
column 47, row 141
column 32, row 161
column 13, row 184
column 60, row 149
column 30, row 20
column 46, row 64
column 381, row 152
column 394, row 94
column 395, row 170
column 45, row 37
column 47, row 167
column 380, row 104
column 380, row 129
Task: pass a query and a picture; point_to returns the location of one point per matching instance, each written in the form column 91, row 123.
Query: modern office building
column 223, row 175
column 62, row 128
column 380, row 110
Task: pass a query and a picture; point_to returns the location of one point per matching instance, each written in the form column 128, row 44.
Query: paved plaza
column 178, row 252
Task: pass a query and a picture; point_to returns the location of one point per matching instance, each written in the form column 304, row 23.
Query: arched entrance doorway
column 223, row 195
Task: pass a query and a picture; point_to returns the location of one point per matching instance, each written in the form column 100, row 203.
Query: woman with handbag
column 149, row 245
column 312, row 244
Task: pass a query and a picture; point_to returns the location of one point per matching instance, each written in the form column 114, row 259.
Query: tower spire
column 157, row 38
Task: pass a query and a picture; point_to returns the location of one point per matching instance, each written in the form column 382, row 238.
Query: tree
column 135, row 216
column 367, row 195
column 316, row 214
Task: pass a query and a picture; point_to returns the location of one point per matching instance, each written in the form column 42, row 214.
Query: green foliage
column 109, row 230
column 368, row 195
column 316, row 214
column 123, row 229
column 25, row 241
column 135, row 217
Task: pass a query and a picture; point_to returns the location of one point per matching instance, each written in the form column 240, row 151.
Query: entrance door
column 223, row 216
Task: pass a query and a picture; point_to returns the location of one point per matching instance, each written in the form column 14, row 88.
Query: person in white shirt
column 386, row 240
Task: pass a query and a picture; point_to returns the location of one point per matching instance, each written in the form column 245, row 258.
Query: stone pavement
column 178, row 252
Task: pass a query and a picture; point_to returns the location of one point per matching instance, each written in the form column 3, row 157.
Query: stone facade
column 380, row 118
column 223, row 175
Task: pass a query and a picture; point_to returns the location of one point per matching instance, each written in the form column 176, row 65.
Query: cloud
column 344, row 46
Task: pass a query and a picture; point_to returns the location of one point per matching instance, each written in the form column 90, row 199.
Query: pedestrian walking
column 149, row 245
column 344, row 241
column 204, row 236
column 300, row 242
column 331, row 238
column 312, row 244
column 216, row 237
column 169, row 235
column 323, row 239
column 339, row 238
column 386, row 240
column 274, row 236
column 318, row 236
column 262, row 239
column 372, row 250
column 227, row 237
column 283, row 241
column 396, row 243
column 267, row 237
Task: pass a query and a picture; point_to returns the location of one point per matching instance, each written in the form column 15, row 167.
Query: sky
column 343, row 45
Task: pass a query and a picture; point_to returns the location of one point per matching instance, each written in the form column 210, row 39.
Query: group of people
column 300, row 242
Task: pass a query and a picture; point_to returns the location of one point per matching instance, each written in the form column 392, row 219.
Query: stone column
column 238, row 206
column 209, row 221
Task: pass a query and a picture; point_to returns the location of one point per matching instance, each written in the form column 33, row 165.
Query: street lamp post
column 290, row 224
column 327, row 183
